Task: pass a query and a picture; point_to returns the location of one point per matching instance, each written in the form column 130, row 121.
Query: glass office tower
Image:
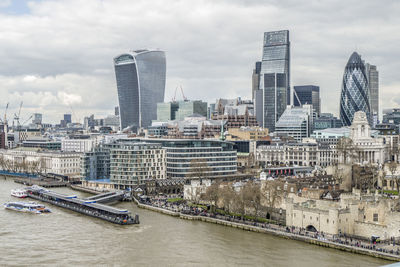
column 276, row 57
column 140, row 79
column 373, row 86
column 307, row 94
column 274, row 87
column 355, row 93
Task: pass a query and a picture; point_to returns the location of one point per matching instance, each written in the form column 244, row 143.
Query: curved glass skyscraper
column 355, row 94
column 140, row 79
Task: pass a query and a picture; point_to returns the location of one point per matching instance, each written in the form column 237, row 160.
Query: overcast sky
column 57, row 55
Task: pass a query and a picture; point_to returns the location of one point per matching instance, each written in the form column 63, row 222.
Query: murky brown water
column 66, row 238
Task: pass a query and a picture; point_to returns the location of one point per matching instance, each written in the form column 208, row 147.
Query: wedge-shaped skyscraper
column 355, row 93
column 141, row 85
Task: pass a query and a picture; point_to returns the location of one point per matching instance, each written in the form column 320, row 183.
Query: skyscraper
column 274, row 84
column 373, row 87
column 355, row 93
column 307, row 94
column 256, row 79
column 140, row 79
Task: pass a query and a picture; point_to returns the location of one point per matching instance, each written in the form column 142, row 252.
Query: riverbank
column 284, row 234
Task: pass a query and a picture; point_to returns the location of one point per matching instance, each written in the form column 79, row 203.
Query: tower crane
column 183, row 95
column 17, row 117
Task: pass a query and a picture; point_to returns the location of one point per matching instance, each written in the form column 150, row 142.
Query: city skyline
column 52, row 72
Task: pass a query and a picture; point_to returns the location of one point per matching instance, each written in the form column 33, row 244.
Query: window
column 375, row 217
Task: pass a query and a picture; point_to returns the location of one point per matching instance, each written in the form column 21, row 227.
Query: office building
column 167, row 111
column 355, row 93
column 295, row 122
column 325, row 121
column 255, row 79
column 307, row 94
column 67, row 118
column 391, row 116
column 373, row 87
column 276, row 57
column 37, row 118
column 132, row 163
column 140, row 77
column 271, row 101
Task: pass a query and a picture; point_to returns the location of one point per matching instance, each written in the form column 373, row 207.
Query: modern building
column 140, row 79
column 78, row 144
column 307, row 94
column 96, row 164
column 132, row 163
column 391, row 116
column 274, row 87
column 295, row 122
column 188, row 108
column 355, row 91
column 255, row 79
column 330, row 135
column 43, row 143
column 325, row 121
column 167, row 111
column 373, row 87
column 37, row 118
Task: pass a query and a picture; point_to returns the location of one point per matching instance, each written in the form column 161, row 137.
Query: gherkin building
column 355, row 95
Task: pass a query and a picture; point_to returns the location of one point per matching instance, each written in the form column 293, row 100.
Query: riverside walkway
column 385, row 250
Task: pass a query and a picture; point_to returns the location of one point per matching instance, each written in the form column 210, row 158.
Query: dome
column 355, row 58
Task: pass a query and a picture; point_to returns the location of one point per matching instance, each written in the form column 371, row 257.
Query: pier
column 89, row 206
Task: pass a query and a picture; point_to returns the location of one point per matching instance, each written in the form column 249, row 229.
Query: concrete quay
column 287, row 235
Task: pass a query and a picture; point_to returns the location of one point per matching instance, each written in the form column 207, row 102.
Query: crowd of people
column 183, row 207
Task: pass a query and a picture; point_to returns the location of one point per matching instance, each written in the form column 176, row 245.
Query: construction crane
column 17, row 117
column 27, row 120
column 5, row 114
column 183, row 95
column 174, row 98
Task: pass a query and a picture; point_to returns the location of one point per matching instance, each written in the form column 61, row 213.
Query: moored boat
column 31, row 207
column 20, row 193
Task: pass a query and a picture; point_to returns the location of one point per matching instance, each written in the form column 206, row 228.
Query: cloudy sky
column 56, row 56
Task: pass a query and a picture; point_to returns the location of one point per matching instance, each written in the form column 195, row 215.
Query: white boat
column 31, row 207
column 20, row 193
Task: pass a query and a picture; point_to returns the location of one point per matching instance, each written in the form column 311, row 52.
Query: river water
column 66, row 238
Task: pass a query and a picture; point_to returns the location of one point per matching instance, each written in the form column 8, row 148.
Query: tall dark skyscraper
column 274, row 84
column 140, row 79
column 307, row 94
column 373, row 88
column 256, row 79
column 355, row 93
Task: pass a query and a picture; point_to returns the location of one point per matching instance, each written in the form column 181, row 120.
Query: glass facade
column 140, row 79
column 187, row 108
column 276, row 57
column 274, row 102
column 355, row 94
column 373, row 86
column 167, row 111
column 307, row 94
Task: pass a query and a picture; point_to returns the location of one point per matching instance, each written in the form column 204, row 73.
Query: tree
column 346, row 149
column 212, row 195
column 393, row 168
column 228, row 196
column 253, row 196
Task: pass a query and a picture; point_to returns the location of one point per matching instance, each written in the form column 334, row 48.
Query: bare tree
column 393, row 168
column 253, row 197
column 346, row 149
column 212, row 195
column 228, row 196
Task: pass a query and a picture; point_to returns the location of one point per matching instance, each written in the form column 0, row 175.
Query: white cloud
column 61, row 53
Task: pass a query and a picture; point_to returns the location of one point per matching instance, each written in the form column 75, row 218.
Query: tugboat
column 31, row 207
column 20, row 193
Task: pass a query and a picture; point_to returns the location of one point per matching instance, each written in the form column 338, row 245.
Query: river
column 66, row 238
